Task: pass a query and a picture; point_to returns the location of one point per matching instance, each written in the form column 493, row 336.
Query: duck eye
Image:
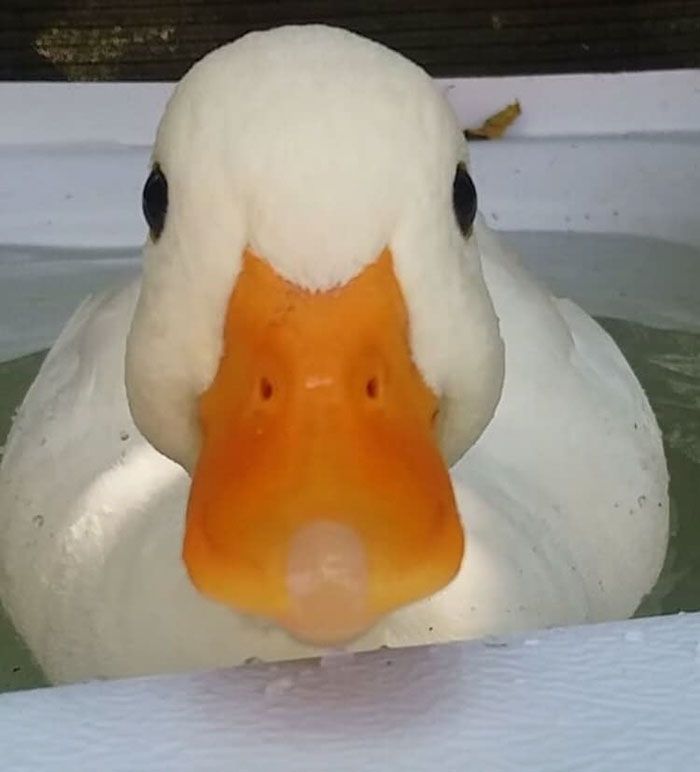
column 464, row 199
column 155, row 201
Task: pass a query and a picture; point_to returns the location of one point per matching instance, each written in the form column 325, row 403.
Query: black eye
column 155, row 201
column 464, row 198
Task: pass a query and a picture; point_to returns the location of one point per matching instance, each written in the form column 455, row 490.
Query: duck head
column 313, row 342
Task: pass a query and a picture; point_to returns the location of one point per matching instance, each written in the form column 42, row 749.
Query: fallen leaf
column 495, row 126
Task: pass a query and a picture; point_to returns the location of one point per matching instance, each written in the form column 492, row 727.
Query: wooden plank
column 159, row 39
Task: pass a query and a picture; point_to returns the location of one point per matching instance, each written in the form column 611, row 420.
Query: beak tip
column 327, row 582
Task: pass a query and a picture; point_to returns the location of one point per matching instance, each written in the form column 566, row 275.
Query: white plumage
column 317, row 149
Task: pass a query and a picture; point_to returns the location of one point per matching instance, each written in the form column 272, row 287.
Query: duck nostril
column 266, row 389
column 372, row 388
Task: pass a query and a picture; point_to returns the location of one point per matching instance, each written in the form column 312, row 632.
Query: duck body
column 564, row 496
column 246, row 453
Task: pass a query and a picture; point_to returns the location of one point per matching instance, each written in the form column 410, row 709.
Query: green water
column 17, row 668
column 667, row 363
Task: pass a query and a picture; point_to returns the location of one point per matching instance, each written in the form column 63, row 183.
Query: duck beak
column 320, row 499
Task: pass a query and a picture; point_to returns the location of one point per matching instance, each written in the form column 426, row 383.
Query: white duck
column 316, row 329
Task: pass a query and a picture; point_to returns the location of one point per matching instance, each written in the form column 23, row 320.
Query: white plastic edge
column 619, row 696
column 556, row 105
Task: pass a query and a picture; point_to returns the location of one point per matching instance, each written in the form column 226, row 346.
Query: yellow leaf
column 496, row 125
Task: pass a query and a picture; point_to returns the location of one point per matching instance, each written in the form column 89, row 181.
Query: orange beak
column 319, row 499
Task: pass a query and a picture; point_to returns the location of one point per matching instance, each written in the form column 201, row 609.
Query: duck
column 333, row 411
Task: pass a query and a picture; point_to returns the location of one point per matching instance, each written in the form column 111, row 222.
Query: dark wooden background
column 159, row 39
